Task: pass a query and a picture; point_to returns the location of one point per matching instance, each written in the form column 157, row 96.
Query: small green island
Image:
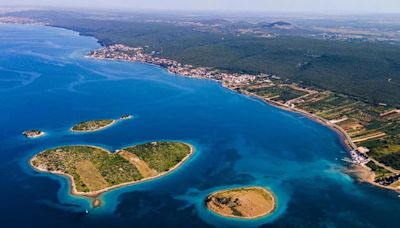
column 93, row 125
column 246, row 203
column 97, row 125
column 94, row 170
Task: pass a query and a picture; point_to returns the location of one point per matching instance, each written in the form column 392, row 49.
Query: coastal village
column 122, row 52
column 371, row 131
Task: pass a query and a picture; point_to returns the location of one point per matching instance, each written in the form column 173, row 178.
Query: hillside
column 367, row 70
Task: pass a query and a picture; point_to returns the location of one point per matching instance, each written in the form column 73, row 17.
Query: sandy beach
column 364, row 174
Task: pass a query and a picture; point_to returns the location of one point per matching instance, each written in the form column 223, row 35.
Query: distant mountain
column 277, row 25
column 215, row 22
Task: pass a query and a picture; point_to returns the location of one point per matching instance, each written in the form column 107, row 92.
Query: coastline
column 364, row 174
column 274, row 202
column 354, row 170
column 95, row 194
column 150, row 203
column 345, row 139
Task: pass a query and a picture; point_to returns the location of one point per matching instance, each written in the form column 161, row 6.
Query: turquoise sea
column 48, row 84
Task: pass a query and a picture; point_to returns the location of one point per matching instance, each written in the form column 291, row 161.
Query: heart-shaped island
column 94, row 170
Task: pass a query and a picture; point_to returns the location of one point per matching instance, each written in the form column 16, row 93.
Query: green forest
column 370, row 71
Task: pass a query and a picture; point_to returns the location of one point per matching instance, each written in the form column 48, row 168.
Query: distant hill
column 278, row 25
column 215, row 22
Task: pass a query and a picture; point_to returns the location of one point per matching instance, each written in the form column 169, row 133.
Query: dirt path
column 378, row 135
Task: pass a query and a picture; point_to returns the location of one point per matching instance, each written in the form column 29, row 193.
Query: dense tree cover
column 367, row 70
column 392, row 160
column 379, row 171
column 161, row 156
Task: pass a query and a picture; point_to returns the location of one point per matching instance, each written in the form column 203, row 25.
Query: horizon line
column 202, row 11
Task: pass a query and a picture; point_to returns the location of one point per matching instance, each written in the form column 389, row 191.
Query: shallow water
column 47, row 83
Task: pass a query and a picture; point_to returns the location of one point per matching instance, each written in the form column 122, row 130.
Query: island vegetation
column 96, row 125
column 93, row 125
column 94, row 170
column 246, row 203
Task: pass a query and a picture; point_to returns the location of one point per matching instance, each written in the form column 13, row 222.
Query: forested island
column 97, row 125
column 94, row 170
column 92, row 125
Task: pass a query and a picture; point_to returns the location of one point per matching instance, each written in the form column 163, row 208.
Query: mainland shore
column 227, row 80
column 359, row 171
column 224, row 80
column 233, row 82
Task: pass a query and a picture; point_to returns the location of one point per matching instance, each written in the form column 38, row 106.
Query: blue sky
column 316, row 6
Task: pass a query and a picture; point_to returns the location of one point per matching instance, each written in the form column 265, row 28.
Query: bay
column 47, row 83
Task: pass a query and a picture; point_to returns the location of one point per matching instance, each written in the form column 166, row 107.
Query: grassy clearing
column 142, row 166
column 248, row 202
column 90, row 176
column 160, row 156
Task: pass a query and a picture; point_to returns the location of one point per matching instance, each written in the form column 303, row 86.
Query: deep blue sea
column 48, row 84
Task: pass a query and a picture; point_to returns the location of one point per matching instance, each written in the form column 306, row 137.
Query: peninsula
column 94, row 170
column 246, row 203
column 370, row 130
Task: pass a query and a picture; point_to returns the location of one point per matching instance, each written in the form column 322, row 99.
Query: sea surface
column 47, row 83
